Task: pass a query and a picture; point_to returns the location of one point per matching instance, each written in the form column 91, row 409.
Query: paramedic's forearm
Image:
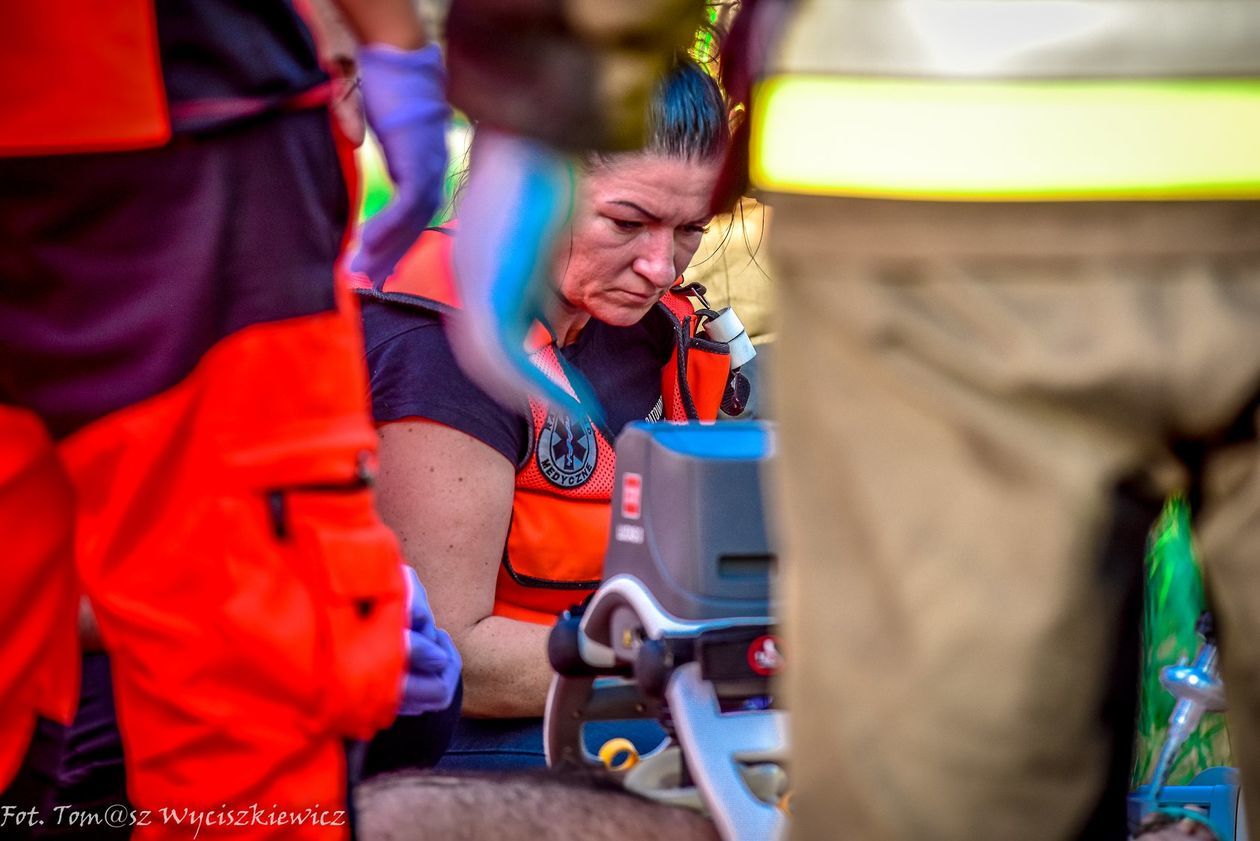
column 506, row 673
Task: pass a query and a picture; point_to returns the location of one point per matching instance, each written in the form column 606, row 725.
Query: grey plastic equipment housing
column 697, row 537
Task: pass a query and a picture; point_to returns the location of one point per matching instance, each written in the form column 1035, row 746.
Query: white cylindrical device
column 728, row 329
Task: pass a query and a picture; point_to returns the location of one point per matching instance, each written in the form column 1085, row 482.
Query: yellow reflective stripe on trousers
column 956, row 140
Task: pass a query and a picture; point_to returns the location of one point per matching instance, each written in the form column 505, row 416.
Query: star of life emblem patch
column 566, row 451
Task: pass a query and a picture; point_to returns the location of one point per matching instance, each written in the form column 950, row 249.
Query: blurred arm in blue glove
column 433, row 664
column 518, row 197
column 403, row 84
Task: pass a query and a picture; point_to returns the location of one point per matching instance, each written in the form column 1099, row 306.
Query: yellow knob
column 617, row 749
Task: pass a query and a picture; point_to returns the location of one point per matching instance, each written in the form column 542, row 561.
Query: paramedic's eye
column 696, row 230
column 626, row 225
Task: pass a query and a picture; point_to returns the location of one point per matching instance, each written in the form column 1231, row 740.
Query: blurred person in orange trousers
column 183, row 407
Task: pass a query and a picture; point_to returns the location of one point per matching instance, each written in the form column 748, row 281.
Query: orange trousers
column 222, row 524
column 249, row 596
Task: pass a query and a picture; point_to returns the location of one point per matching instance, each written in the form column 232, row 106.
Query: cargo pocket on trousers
column 357, row 586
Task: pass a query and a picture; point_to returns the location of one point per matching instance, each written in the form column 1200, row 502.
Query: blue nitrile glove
column 404, row 98
column 518, row 198
column 433, row 664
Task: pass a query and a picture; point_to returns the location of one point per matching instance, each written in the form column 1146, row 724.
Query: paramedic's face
column 637, row 223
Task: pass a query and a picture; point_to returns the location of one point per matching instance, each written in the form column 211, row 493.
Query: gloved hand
column 406, row 107
column 433, row 664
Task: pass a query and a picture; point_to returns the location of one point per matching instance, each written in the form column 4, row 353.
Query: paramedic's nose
column 656, row 259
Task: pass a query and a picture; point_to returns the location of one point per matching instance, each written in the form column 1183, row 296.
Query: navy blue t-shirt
column 414, row 375
column 223, row 60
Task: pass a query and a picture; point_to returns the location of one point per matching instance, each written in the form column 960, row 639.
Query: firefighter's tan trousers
column 966, row 390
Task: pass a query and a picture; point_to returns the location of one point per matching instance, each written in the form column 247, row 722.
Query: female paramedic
column 504, row 513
